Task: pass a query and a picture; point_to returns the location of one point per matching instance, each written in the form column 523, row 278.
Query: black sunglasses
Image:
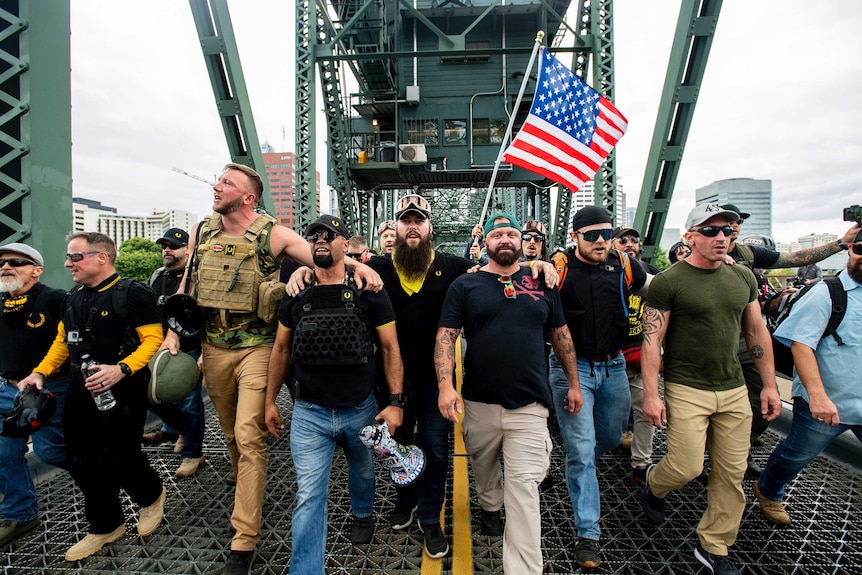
column 594, row 235
column 539, row 238
column 78, row 256
column 626, row 239
column 712, row 231
column 354, row 256
column 857, row 249
column 20, row 263
column 327, row 235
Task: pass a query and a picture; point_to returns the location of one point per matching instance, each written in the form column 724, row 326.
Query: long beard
column 855, row 271
column 503, row 258
column 8, row 284
column 412, row 262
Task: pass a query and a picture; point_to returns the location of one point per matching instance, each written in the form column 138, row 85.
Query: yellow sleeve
column 57, row 354
column 151, row 339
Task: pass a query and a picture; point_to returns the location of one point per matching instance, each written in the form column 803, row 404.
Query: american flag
column 570, row 129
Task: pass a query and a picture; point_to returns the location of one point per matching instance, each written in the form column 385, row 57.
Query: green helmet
column 173, row 376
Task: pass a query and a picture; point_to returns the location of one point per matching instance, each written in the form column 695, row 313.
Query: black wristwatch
column 397, row 399
column 127, row 371
column 842, row 245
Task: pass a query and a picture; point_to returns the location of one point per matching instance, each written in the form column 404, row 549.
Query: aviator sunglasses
column 327, row 235
column 19, row 262
column 626, row 239
column 594, row 235
column 712, row 231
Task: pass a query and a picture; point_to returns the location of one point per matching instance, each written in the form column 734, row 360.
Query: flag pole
column 539, row 36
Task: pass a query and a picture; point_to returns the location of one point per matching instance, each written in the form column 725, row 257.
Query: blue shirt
column 839, row 366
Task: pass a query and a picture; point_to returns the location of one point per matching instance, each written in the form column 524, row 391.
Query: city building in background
column 749, row 195
column 91, row 216
column 281, row 173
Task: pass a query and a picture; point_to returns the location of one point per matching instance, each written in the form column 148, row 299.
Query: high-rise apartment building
column 281, row 173
column 749, row 195
column 91, row 216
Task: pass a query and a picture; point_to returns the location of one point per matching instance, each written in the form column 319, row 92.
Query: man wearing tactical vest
column 235, row 261
column 116, row 322
column 764, row 258
column 595, row 284
column 329, row 332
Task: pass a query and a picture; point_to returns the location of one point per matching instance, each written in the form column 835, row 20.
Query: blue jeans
column 186, row 417
column 805, row 440
column 16, row 484
column 314, row 433
column 592, row 432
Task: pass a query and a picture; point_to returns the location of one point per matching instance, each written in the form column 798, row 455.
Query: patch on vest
column 331, row 337
column 218, row 248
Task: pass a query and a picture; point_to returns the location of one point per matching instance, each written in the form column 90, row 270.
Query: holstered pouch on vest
column 270, row 293
column 331, row 337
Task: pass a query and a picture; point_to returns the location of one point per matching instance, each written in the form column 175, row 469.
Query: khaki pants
column 522, row 436
column 719, row 422
column 236, row 384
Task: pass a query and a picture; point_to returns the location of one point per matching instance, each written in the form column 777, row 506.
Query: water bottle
column 105, row 400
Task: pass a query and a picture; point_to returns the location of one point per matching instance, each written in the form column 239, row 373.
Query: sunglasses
column 538, row 238
column 508, row 287
column 594, row 235
column 78, row 256
column 857, row 249
column 19, row 262
column 626, row 239
column 535, row 225
column 357, row 256
column 414, row 201
column 712, row 231
column 327, row 235
column 385, row 226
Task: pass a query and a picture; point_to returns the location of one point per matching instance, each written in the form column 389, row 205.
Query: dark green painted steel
column 35, row 130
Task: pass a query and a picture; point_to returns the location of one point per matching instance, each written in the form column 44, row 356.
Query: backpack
column 774, row 318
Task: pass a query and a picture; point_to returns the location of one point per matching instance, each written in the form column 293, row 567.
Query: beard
column 855, row 271
column 412, row 261
column 8, row 284
column 588, row 255
column 505, row 258
column 322, row 261
column 228, row 207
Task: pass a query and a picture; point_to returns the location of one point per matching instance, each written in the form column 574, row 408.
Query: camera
column 853, row 214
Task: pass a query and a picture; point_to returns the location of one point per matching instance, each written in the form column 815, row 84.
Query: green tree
column 138, row 258
column 660, row 261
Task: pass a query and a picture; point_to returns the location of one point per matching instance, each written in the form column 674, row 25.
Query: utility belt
column 599, row 357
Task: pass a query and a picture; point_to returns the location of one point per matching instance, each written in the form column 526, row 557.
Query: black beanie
column 590, row 215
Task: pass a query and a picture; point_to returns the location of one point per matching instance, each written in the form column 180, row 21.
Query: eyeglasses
column 414, row 201
column 327, row 235
column 535, row 225
column 857, row 249
column 357, row 256
column 385, row 226
column 712, row 231
column 16, row 262
column 626, row 239
column 508, row 287
column 78, row 256
column 594, row 235
column 538, row 238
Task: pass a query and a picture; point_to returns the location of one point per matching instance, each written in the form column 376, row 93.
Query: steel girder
column 218, row 43
column 692, row 41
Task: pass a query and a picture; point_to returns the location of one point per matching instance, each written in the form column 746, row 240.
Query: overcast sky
column 779, row 101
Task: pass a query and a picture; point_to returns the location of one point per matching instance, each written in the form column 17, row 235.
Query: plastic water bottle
column 105, row 400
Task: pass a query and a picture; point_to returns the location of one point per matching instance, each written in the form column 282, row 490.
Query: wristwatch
column 842, row 245
column 398, row 399
column 127, row 371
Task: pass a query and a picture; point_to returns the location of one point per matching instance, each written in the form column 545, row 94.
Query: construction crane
column 198, row 178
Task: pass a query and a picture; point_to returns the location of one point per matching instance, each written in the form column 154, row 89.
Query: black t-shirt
column 336, row 386
column 419, row 314
column 505, row 359
column 28, row 326
column 166, row 283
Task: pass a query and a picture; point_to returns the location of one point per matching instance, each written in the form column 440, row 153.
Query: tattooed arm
column 759, row 344
column 564, row 349
column 448, row 401
column 654, row 330
column 813, row 255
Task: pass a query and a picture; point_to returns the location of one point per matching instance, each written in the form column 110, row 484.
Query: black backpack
column 781, row 352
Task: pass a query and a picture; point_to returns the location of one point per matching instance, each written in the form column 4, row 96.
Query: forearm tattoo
column 756, row 351
column 653, row 322
column 561, row 340
column 444, row 352
column 806, row 257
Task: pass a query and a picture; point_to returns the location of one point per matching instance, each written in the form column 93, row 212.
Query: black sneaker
column 402, row 516
column 639, row 476
column 587, row 552
column 491, row 522
column 362, row 530
column 753, row 469
column 9, row 530
column 436, row 545
column 653, row 506
column 717, row 564
column 238, row 563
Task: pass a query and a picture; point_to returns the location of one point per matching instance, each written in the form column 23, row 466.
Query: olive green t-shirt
column 702, row 338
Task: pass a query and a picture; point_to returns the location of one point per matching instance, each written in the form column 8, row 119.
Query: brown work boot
column 152, row 515
column 92, row 543
column 178, row 446
column 157, row 438
column 189, row 466
column 772, row 510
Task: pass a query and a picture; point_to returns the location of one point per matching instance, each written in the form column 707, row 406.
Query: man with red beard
column 506, row 395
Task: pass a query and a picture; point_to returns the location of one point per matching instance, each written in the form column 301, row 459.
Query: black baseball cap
column 177, row 237
column 733, row 208
column 329, row 222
